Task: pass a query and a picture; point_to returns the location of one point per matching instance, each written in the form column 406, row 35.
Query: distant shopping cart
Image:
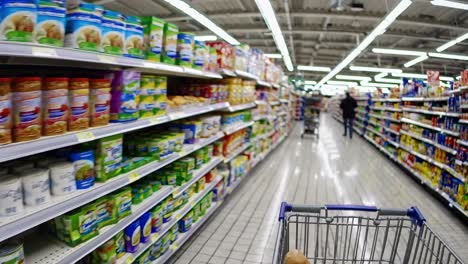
column 311, row 121
column 328, row 234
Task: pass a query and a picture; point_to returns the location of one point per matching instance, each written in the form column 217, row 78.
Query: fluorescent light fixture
column 399, row 52
column 366, row 87
column 352, row 77
column 330, row 86
column 342, row 83
column 387, row 80
column 184, row 7
column 379, row 30
column 270, row 19
column 313, row 68
column 206, row 38
column 309, row 87
column 310, row 82
column 378, row 84
column 415, row 61
column 452, row 42
column 420, row 76
column 451, row 4
column 273, row 55
column 385, row 91
column 458, row 77
column 374, row 69
column 381, row 75
column 448, row 56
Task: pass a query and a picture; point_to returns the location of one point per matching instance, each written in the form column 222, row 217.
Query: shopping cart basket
column 324, row 235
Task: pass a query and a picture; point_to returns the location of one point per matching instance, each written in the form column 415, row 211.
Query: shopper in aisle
column 347, row 106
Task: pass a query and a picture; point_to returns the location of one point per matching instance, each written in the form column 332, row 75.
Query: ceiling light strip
column 200, row 18
column 270, row 19
column 352, row 77
column 375, row 69
column 380, row 29
column 313, row 68
column 399, row 52
column 420, row 76
column 415, row 61
column 450, row 4
column 448, row 56
column 452, row 42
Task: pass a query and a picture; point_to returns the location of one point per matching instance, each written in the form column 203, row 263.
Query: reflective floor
column 331, row 169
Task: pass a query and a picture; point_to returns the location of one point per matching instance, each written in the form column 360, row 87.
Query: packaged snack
column 165, row 243
column 50, row 27
column 132, row 235
column 144, row 258
column 133, row 37
column 106, row 253
column 27, row 108
column 225, row 54
column 83, row 163
column 155, row 250
column 200, row 52
column 11, row 252
column 79, row 104
column 196, row 213
column 160, row 96
column 153, row 36
column 212, row 59
column 113, row 32
column 186, row 222
column 137, row 194
column 62, row 178
column 106, row 211
column 77, row 226
column 55, row 106
column 120, row 244
column 173, row 233
column 83, row 29
column 18, row 20
column 169, row 43
column 185, row 42
column 11, row 196
column 124, row 100
column 145, row 227
column 36, row 188
column 100, row 102
column 199, row 159
column 108, row 157
column 6, row 121
column 123, row 202
column 156, row 218
column 168, row 209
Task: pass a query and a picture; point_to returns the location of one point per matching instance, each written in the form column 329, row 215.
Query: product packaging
column 132, row 235
column 145, row 227
column 6, row 119
column 50, row 27
column 79, row 104
column 100, row 98
column 62, row 178
column 36, row 188
column 83, row 163
column 170, row 43
column 201, row 54
column 108, row 157
column 83, row 28
column 18, row 20
column 106, row 211
column 113, row 32
column 27, row 108
column 123, row 202
column 77, row 226
column 133, row 37
column 12, row 252
column 185, row 44
column 153, row 29
column 124, row 101
column 55, row 106
column 11, row 196
column 106, row 253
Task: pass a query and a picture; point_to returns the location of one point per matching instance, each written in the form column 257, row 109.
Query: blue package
column 18, row 20
column 83, row 29
column 133, row 38
column 50, row 27
column 113, row 33
column 83, row 163
column 132, row 237
column 145, row 227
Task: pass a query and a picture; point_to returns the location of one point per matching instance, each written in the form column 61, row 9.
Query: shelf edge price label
column 129, row 260
column 133, row 177
column 44, row 52
column 106, row 59
column 154, row 238
column 85, row 136
column 175, row 246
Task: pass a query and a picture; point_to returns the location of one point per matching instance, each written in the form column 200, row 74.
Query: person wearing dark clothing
column 348, row 105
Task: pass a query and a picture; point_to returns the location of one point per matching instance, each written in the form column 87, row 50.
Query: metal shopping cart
column 324, row 235
column 311, row 116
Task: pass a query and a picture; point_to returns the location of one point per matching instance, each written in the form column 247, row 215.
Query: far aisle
column 332, row 169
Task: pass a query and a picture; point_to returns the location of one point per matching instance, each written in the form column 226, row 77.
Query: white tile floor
column 332, row 169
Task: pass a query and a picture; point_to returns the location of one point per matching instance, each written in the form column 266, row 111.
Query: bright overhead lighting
column 373, row 69
column 387, row 80
column 309, row 87
column 342, row 83
column 452, row 42
column 458, row 77
column 366, row 87
column 419, row 76
column 415, row 61
column 399, row 52
column 352, row 77
column 310, row 82
column 184, row 7
column 313, row 68
column 330, row 86
column 378, row 84
column 449, row 4
column 206, row 38
column 379, row 30
column 448, row 56
column 270, row 19
column 381, row 75
column 273, row 55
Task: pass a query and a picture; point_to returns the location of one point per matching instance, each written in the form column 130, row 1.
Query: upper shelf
column 35, row 54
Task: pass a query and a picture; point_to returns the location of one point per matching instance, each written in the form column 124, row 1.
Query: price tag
column 85, row 136
column 44, row 52
column 129, row 260
column 177, row 115
column 133, row 177
column 154, row 238
column 192, row 204
column 175, row 246
column 178, row 216
column 106, row 59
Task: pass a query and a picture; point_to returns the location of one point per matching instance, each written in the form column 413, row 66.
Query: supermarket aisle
column 331, row 170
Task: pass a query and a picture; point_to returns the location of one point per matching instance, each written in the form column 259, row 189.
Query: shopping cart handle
column 351, row 207
column 416, row 216
column 285, row 207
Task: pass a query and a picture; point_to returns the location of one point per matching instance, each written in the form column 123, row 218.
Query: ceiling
column 323, row 32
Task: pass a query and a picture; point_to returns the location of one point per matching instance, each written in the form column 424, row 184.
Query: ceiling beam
column 374, row 17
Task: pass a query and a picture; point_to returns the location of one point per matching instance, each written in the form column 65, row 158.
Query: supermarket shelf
column 284, row 101
column 266, row 135
column 38, row 252
column 429, row 141
column 23, row 149
column 274, row 102
column 393, row 142
column 463, row 88
column 360, row 111
column 464, row 106
column 374, row 123
column 386, row 99
column 390, row 130
column 237, row 152
column 386, row 118
column 61, row 204
column 183, row 237
column 386, row 109
column 36, row 54
column 406, row 109
column 236, row 108
column 281, row 113
column 377, row 133
column 261, row 102
column 463, row 121
column 442, row 194
column 263, row 83
column 227, row 73
column 463, row 142
column 276, row 86
column 246, row 75
column 269, row 117
column 382, row 149
column 424, row 99
column 410, row 121
column 237, row 127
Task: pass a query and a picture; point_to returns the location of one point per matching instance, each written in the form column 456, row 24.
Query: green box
column 109, row 157
column 78, row 225
column 123, row 202
column 106, row 211
column 170, row 43
column 153, row 30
